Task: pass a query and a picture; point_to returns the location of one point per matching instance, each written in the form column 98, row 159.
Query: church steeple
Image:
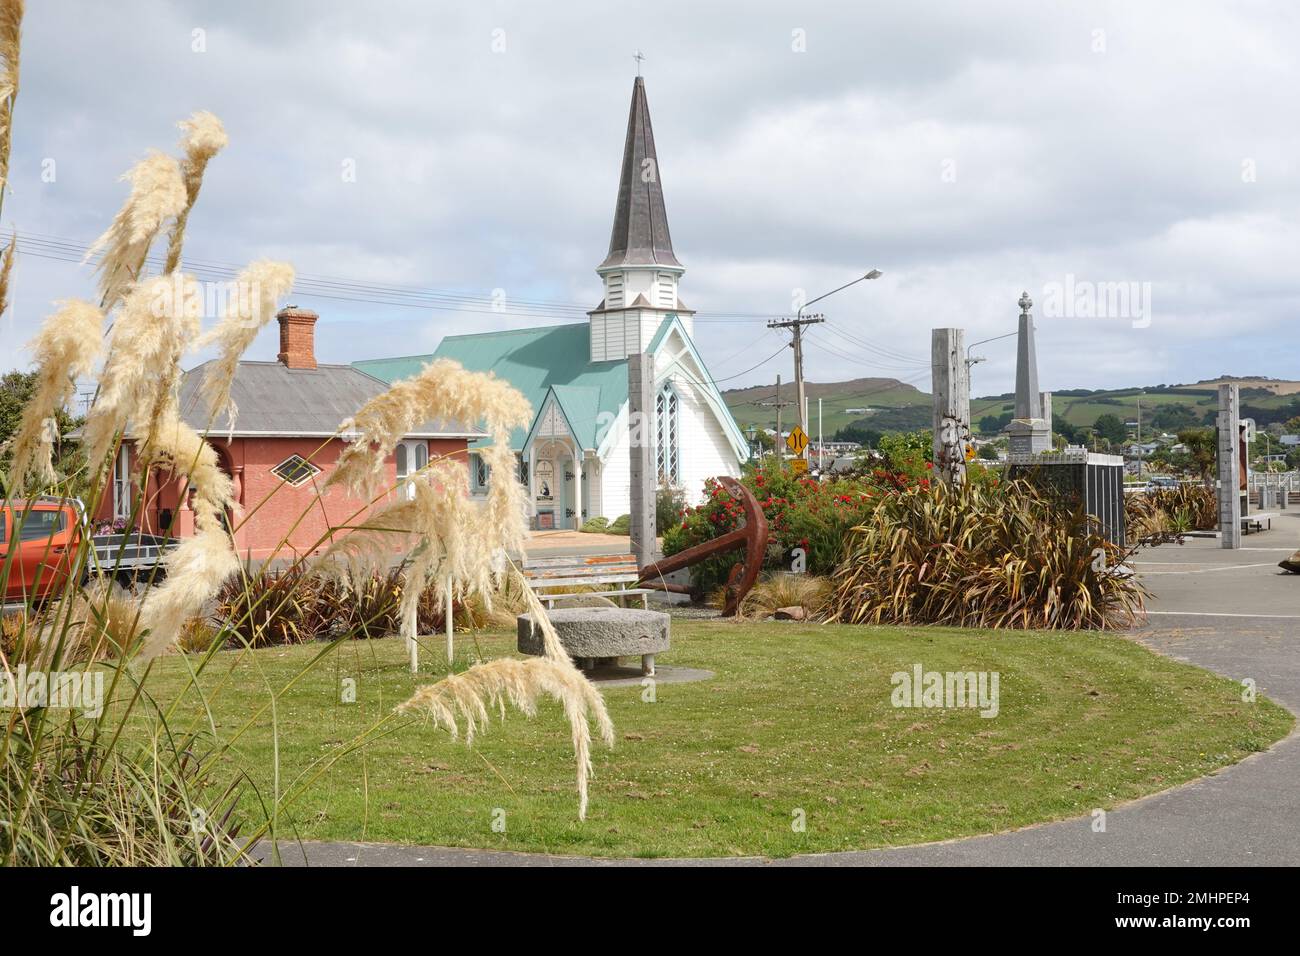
column 640, row 236
column 640, row 274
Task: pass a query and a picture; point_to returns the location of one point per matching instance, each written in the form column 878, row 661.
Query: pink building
column 282, row 450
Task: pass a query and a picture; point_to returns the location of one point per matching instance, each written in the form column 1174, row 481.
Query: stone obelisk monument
column 1029, row 430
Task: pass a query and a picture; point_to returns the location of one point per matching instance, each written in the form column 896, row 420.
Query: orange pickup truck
column 40, row 545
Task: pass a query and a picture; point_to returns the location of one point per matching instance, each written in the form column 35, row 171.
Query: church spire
column 640, row 235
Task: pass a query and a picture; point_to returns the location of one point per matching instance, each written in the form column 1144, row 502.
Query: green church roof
column 533, row 361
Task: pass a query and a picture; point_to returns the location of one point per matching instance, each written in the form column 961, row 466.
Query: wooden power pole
column 796, row 325
column 778, row 405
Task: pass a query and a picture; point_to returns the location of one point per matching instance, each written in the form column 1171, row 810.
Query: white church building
column 575, row 456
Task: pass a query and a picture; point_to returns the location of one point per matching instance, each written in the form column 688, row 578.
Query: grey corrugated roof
column 640, row 235
column 275, row 400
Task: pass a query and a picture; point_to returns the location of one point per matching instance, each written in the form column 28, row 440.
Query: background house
column 283, row 447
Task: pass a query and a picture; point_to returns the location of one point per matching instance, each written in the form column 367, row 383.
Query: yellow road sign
column 799, row 466
column 796, row 441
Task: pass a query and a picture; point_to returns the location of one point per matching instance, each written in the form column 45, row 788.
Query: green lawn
column 798, row 718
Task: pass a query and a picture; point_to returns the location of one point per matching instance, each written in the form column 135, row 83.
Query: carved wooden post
column 1229, row 461
column 641, row 424
column 951, row 390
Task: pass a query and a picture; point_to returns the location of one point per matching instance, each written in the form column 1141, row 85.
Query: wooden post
column 951, row 389
column 451, row 650
column 641, row 422
column 1229, row 467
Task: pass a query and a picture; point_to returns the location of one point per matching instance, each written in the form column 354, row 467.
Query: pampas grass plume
column 6, row 267
column 66, row 346
column 203, row 137
column 11, row 21
column 158, row 319
column 203, row 562
column 462, row 702
column 442, row 390
column 157, row 194
column 258, row 288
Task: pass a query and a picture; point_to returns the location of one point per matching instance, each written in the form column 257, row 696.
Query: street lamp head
column 873, row 274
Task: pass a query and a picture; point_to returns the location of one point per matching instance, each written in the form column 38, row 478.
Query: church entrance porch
column 558, row 489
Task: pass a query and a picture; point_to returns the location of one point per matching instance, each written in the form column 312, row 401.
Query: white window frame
column 411, row 458
column 479, row 474
column 312, row 472
column 122, row 483
column 668, row 432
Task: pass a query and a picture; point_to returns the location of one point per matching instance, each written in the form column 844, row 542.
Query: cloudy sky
column 967, row 150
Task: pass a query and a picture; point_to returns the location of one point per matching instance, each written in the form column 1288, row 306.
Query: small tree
column 1109, row 427
column 1202, row 452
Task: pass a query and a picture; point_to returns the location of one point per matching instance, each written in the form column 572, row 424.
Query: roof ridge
column 531, row 328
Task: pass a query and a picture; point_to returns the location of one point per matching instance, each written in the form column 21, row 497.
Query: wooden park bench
column 589, row 571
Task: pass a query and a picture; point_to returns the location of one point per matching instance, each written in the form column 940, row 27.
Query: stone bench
column 601, row 635
column 1257, row 522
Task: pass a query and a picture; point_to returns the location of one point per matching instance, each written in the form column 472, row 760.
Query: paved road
column 1233, row 612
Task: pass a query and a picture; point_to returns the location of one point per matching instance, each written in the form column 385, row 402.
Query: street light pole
column 796, row 325
column 1139, row 435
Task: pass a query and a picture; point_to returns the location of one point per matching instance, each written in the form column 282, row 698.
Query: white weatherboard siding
column 705, row 450
column 616, row 335
column 705, row 453
column 593, row 482
column 616, row 473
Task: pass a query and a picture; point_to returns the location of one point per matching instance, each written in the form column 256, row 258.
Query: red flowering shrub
column 801, row 513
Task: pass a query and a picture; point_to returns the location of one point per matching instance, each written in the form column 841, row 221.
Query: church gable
column 677, row 360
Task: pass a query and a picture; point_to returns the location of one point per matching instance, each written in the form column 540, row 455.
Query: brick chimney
column 297, row 337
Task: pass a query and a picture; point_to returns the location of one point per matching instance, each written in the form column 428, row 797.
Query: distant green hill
column 894, row 404
column 886, row 404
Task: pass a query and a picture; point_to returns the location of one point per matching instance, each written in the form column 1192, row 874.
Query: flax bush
column 983, row 557
column 1160, row 512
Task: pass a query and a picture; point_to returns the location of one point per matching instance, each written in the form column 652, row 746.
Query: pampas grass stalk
column 444, row 391
column 158, row 195
column 458, row 541
column 260, row 286
column 464, row 544
column 158, row 318
column 66, row 346
column 203, row 138
column 463, row 701
column 197, row 569
column 11, row 21
column 6, row 267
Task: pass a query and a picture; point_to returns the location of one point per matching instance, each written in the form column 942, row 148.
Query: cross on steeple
column 638, row 56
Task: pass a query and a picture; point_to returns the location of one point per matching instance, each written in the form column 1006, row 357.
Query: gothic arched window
column 668, row 436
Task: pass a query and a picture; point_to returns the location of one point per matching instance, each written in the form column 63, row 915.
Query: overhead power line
column 867, row 361
column 880, row 350
column 63, row 249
